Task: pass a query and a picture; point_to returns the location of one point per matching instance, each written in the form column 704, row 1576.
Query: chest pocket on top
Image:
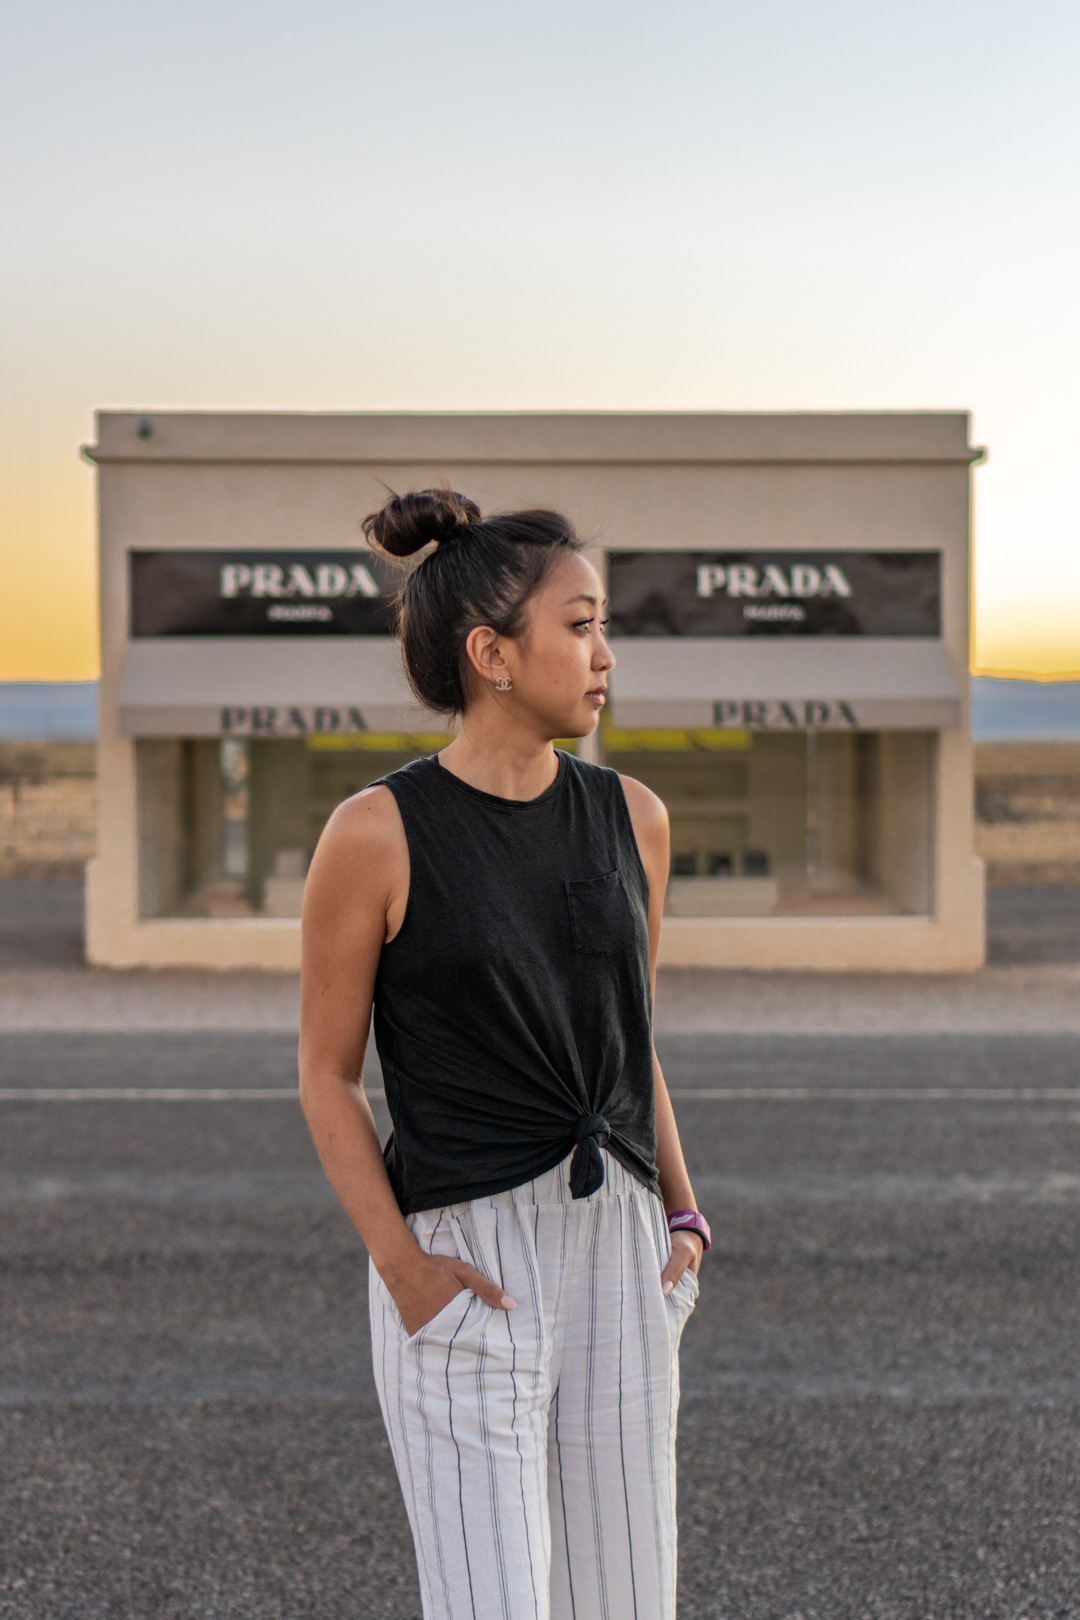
column 601, row 921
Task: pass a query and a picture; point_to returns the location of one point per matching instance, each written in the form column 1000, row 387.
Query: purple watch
column 690, row 1220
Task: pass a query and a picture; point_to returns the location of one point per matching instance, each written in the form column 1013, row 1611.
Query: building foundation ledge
column 268, row 943
column 821, row 944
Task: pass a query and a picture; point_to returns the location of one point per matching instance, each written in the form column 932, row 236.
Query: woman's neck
column 517, row 767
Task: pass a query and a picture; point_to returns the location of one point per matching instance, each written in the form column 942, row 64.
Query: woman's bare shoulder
column 647, row 810
column 363, row 836
column 649, row 819
column 371, row 813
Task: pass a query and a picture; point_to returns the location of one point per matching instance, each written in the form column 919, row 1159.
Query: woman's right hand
column 430, row 1281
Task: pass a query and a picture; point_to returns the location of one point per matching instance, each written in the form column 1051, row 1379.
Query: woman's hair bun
column 408, row 522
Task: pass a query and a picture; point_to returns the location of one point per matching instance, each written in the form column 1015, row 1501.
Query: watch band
column 690, row 1220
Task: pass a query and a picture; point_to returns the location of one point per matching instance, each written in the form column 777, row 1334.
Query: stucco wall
column 890, row 481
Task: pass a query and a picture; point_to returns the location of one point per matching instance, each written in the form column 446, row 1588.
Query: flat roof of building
column 558, row 436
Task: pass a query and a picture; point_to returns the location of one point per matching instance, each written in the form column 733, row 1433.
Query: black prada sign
column 274, row 720
column 774, row 593
column 262, row 593
column 785, row 714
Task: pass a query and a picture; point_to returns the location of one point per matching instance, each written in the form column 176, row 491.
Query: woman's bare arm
column 354, row 901
column 650, row 823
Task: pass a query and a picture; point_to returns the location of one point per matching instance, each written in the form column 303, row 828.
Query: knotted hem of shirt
column 587, row 1164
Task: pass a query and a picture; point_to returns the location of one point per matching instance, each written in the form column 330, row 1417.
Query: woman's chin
column 582, row 725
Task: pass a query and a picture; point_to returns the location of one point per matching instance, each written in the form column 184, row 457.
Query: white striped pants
column 536, row 1447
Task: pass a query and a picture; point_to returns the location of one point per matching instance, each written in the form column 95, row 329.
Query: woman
column 498, row 905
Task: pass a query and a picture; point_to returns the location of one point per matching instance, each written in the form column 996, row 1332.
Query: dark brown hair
column 483, row 571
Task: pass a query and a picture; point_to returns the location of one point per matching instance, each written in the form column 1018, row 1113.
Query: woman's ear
column 485, row 653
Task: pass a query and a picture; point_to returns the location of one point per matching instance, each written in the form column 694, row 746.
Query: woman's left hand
column 686, row 1250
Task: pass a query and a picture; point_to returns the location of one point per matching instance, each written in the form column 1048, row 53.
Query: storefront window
column 812, row 823
column 818, row 823
column 227, row 828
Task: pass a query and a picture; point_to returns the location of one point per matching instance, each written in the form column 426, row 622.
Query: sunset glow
column 578, row 206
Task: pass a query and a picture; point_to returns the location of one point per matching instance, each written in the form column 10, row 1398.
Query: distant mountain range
column 1004, row 710
column 48, row 711
column 1024, row 711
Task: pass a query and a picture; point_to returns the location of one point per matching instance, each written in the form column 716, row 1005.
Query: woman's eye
column 582, row 624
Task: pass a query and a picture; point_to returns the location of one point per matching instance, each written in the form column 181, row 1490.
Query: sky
column 574, row 205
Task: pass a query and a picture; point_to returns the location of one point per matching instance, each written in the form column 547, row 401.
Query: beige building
column 789, row 610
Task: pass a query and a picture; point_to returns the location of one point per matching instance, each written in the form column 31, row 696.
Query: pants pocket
column 439, row 1232
column 447, row 1320
column 681, row 1302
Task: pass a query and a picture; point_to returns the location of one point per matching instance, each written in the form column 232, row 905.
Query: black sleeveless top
column 513, row 1012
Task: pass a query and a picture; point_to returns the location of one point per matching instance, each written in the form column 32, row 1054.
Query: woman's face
column 559, row 666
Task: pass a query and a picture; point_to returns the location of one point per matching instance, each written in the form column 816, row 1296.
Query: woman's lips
column 597, row 696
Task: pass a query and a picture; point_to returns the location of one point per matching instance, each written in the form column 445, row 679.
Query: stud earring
column 503, row 683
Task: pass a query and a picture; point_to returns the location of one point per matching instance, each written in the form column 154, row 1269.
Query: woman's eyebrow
column 582, row 597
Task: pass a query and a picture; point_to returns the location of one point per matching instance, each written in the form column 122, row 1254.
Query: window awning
column 773, row 683
column 272, row 686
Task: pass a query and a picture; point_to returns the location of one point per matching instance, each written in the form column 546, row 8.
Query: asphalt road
column 881, row 1398
column 881, row 1408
